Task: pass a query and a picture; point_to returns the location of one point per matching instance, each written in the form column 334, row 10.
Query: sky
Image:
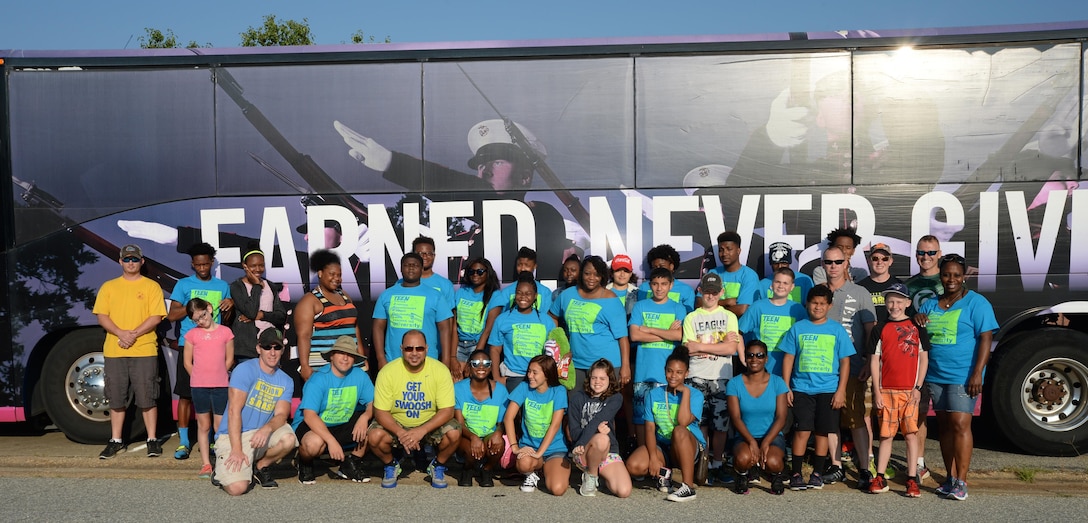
column 117, row 24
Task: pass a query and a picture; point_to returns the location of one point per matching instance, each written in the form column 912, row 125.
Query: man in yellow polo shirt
column 129, row 308
column 413, row 407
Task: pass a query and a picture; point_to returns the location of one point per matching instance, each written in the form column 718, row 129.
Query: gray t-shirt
column 853, row 308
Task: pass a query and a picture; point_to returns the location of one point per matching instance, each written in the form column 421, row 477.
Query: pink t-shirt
column 209, row 356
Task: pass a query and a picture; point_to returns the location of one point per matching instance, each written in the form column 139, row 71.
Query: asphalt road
column 45, row 477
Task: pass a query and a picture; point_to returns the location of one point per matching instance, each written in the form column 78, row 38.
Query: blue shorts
column 778, row 441
column 209, row 399
column 638, row 399
column 951, row 398
column 465, row 348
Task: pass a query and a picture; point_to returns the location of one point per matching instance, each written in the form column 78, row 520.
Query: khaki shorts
column 859, row 401
column 137, row 376
column 434, row 438
column 899, row 413
column 223, row 450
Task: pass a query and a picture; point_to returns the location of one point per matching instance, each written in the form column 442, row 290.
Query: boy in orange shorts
column 898, row 365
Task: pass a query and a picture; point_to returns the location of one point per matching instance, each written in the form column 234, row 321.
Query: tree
column 358, row 37
column 273, row 33
column 156, row 39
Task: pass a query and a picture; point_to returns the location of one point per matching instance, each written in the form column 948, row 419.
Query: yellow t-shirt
column 413, row 398
column 129, row 303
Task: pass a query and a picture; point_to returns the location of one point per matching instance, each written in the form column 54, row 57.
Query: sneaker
column 959, row 491
column 778, row 485
column 834, row 474
column 913, row 491
column 864, row 479
column 721, row 475
column 663, row 484
column 438, row 475
column 923, row 474
column 182, row 452
column 264, row 478
column 798, row 483
column 815, row 481
column 529, row 485
column 154, row 448
column 205, row 472
column 111, row 450
column 589, row 485
column 306, row 474
column 945, row 488
column 389, row 478
column 740, row 486
column 466, row 477
column 754, row 474
column 878, row 485
column 485, row 479
column 352, row 468
column 682, row 494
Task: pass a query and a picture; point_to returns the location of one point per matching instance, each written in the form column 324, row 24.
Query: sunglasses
column 477, row 272
column 879, row 258
column 479, row 363
column 413, row 348
column 926, row 253
column 953, row 258
column 834, row 262
column 274, row 347
column 756, row 355
column 131, row 259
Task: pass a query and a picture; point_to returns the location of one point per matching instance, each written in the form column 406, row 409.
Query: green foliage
column 1026, row 474
column 273, row 33
column 156, row 39
column 359, row 37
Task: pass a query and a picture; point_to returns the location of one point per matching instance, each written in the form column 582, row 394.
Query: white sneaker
column 682, row 494
column 589, row 485
column 529, row 485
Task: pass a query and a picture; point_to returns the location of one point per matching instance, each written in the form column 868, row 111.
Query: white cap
column 712, row 175
column 493, row 132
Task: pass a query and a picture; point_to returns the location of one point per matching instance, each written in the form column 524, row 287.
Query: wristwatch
column 918, row 388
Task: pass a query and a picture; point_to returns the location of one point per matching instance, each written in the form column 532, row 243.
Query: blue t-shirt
column 213, row 291
column 954, row 335
column 742, row 284
column 537, row 411
column 801, row 285
column 521, row 337
column 441, row 284
column 817, row 350
column 660, row 407
column 593, row 325
column 757, row 413
column 333, row 398
column 262, row 390
column 681, row 293
column 481, row 417
column 505, row 298
column 650, row 356
column 767, row 322
column 406, row 308
column 471, row 315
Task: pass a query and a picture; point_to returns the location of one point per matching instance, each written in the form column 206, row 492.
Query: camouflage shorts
column 715, row 415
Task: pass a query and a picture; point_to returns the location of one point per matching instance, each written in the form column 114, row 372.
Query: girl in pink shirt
column 209, row 352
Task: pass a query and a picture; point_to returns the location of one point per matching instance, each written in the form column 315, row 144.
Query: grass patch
column 1025, row 474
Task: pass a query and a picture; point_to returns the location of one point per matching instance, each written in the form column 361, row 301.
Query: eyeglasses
column 756, row 355
column 926, row 253
column 479, row 363
column 131, row 259
column 414, row 348
column 477, row 272
column 275, row 347
column 879, row 259
column 834, row 262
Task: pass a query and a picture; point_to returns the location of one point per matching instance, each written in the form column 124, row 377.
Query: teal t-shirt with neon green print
column 661, row 406
column 593, row 325
column 481, row 417
column 681, row 293
column 410, row 308
column 469, row 306
column 817, row 350
column 768, row 323
column 954, row 335
column 742, row 284
column 651, row 356
column 521, row 336
column 538, row 409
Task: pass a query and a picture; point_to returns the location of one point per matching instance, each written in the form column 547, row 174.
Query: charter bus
column 974, row 135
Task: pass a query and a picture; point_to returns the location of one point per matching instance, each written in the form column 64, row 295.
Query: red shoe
column 912, row 488
column 878, row 485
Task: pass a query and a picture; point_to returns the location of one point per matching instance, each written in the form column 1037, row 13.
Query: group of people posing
column 619, row 379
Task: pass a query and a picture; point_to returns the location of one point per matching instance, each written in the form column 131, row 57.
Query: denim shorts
column 465, row 348
column 951, row 398
column 210, row 399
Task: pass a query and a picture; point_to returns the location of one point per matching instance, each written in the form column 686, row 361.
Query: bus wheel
column 1036, row 391
column 73, row 388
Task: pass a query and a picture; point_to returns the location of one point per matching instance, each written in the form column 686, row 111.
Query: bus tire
column 73, row 389
column 1037, row 391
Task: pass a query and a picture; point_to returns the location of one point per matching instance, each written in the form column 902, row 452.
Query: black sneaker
column 682, row 494
column 833, row 475
column 352, row 468
column 154, row 448
column 306, row 474
column 486, row 479
column 264, row 478
column 466, row 477
column 740, row 485
column 111, row 450
column 778, row 485
column 864, row 479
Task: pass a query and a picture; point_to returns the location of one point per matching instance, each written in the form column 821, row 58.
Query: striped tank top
column 332, row 322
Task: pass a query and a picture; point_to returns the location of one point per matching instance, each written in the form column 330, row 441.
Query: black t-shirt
column 875, row 290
